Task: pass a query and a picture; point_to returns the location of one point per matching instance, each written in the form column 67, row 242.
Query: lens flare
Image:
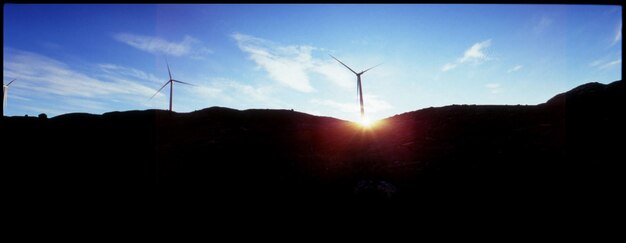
column 366, row 123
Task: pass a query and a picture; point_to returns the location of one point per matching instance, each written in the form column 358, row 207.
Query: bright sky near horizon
column 101, row 58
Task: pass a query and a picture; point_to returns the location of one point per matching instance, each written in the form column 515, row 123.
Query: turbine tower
column 5, row 89
column 358, row 83
column 171, row 82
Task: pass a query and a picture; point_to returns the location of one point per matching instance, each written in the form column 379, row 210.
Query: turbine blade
column 159, row 89
column 178, row 81
column 370, row 68
column 168, row 69
column 343, row 64
column 10, row 82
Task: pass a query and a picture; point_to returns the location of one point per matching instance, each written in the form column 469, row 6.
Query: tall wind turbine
column 5, row 89
column 358, row 84
column 171, row 82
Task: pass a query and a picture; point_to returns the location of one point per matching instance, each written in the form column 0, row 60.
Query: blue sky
column 101, row 58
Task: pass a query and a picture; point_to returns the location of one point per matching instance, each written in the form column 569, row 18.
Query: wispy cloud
column 611, row 64
column 189, row 46
column 474, row 54
column 542, row 24
column 51, row 76
column 604, row 63
column 63, row 86
column 493, row 88
column 293, row 65
column 515, row 69
column 618, row 34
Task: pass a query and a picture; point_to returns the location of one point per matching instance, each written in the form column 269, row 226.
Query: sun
column 365, row 123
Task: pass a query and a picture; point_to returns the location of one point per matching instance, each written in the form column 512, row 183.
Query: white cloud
column 494, row 88
column 618, row 34
column 155, row 45
column 50, row 76
column 515, row 69
column 474, row 54
column 542, row 24
column 292, row 65
column 286, row 64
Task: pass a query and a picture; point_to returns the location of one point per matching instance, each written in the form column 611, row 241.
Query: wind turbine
column 5, row 89
column 358, row 84
column 171, row 82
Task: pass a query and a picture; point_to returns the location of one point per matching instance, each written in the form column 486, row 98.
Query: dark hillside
column 562, row 153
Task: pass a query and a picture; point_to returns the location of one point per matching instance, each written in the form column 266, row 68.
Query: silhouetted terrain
column 565, row 153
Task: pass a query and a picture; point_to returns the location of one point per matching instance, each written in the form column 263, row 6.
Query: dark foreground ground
column 562, row 157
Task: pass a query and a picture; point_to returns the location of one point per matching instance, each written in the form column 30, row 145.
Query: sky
column 101, row 58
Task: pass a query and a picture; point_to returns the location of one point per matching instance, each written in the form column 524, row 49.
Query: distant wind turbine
column 5, row 89
column 171, row 82
column 358, row 84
